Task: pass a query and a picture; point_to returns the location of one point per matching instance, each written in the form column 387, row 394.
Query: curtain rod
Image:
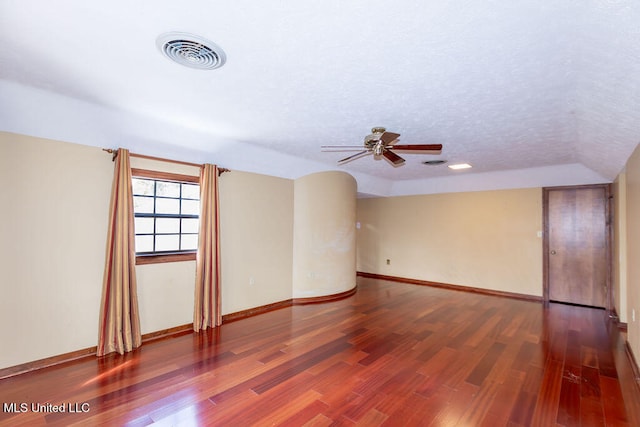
column 161, row 159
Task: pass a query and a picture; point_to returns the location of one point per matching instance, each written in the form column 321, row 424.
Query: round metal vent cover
column 191, row 51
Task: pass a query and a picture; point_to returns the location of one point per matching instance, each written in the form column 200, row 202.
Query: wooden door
column 576, row 245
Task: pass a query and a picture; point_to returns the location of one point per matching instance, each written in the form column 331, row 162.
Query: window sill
column 159, row 259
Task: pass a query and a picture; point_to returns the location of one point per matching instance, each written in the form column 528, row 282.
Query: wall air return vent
column 191, row 51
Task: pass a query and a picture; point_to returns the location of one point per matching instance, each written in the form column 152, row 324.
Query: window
column 166, row 210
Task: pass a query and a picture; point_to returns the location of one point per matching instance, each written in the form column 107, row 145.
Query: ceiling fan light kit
column 382, row 143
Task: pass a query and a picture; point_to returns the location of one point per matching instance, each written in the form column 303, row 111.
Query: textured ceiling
column 530, row 93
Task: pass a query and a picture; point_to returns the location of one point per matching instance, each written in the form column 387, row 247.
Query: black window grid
column 155, row 216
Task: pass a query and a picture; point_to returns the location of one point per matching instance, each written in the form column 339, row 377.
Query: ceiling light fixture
column 191, row 51
column 460, row 166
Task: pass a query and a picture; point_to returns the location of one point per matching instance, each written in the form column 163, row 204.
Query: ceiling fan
column 381, row 143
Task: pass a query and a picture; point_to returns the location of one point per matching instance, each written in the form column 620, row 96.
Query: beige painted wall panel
column 256, row 222
column 53, row 223
column 486, row 239
column 165, row 295
column 633, row 251
column 324, row 255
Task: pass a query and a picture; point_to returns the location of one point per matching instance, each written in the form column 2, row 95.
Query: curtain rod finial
column 111, row 151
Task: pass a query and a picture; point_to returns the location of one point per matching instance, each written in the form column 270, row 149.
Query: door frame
column 608, row 235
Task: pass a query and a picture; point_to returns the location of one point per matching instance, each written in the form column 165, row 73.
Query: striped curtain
column 206, row 313
column 119, row 326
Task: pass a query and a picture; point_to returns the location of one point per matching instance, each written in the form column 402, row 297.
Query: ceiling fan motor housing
column 372, row 140
column 381, row 143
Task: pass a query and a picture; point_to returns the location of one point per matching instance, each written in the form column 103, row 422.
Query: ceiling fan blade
column 346, row 159
column 389, row 137
column 418, row 147
column 393, row 157
column 341, row 147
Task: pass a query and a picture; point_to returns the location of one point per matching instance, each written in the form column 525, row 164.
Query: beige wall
column 485, row 239
column 324, row 248
column 256, row 238
column 53, row 223
column 633, row 250
column 256, row 244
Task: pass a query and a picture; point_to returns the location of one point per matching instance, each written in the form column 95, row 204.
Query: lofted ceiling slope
column 531, row 93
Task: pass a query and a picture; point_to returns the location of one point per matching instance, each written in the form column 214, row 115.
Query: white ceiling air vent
column 191, row 51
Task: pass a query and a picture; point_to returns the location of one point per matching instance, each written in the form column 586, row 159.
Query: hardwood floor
column 393, row 354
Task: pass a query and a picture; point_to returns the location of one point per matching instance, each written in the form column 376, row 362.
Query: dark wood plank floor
column 393, row 354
